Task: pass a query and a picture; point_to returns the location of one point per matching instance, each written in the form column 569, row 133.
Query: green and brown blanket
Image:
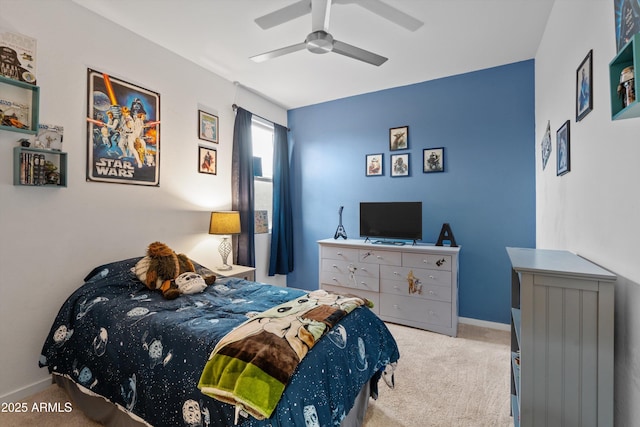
column 251, row 366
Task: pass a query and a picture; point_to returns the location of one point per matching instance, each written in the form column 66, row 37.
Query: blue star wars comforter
column 117, row 339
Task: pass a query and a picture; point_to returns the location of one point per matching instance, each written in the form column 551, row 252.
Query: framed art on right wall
column 584, row 87
column 563, row 149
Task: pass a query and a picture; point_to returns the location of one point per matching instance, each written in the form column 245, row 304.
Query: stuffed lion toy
column 160, row 268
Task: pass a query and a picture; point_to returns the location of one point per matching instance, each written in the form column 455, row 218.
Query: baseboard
column 485, row 323
column 26, row 391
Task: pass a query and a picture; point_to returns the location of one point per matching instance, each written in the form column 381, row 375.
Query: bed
column 129, row 357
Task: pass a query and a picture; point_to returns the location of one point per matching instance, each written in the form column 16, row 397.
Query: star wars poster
column 123, row 123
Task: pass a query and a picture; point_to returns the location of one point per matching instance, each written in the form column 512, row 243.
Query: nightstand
column 240, row 271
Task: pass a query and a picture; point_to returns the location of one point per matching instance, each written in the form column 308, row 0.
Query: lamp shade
column 227, row 222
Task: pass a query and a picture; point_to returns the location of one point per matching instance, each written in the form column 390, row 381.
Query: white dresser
column 413, row 285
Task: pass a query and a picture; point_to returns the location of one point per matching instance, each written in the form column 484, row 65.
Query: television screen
column 391, row 220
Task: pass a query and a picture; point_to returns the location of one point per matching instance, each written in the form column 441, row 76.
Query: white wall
column 593, row 210
column 50, row 238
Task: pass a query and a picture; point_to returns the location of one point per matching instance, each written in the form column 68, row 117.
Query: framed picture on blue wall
column 563, row 149
column 374, row 165
column 400, row 164
column 584, row 87
column 433, row 160
column 399, row 138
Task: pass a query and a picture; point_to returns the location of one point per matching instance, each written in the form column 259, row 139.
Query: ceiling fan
column 319, row 40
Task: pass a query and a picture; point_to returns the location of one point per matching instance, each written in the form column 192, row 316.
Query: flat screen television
column 391, row 220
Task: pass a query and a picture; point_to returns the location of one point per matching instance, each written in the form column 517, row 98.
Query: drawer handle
column 379, row 256
column 364, row 284
column 334, row 266
column 396, row 287
column 432, row 293
column 339, row 253
column 334, row 279
column 396, row 306
column 431, row 276
column 363, row 269
column 396, row 273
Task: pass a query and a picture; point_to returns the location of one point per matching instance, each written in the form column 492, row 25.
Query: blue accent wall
column 485, row 122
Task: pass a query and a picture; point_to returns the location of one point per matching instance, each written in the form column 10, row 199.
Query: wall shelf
column 26, row 172
column 629, row 55
column 20, row 102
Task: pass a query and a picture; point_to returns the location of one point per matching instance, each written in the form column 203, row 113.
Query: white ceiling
column 458, row 36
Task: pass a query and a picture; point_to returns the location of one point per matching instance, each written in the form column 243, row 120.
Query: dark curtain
column 281, row 258
column 242, row 189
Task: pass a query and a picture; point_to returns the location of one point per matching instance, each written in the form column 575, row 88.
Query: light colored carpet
column 440, row 381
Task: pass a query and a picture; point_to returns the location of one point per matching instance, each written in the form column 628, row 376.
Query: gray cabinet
column 413, row 285
column 561, row 339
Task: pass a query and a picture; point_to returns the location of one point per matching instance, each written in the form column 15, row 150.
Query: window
column 262, row 133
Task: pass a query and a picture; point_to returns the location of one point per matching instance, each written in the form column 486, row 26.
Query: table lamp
column 225, row 223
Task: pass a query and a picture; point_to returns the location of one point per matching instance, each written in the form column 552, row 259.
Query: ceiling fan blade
column 320, row 11
column 278, row 52
column 286, row 14
column 388, row 12
column 357, row 53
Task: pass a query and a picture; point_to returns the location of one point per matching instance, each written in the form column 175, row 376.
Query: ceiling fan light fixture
column 319, row 42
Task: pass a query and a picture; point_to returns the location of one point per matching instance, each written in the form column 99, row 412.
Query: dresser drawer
column 374, row 297
column 345, row 267
column 426, row 277
column 337, row 252
column 434, row 262
column 415, row 309
column 396, row 287
column 349, row 281
column 374, row 256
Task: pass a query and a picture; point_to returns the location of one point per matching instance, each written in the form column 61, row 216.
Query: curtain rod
column 235, row 107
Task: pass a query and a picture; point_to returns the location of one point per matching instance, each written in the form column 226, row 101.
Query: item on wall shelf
column 39, row 167
column 584, row 87
column 49, row 137
column 546, row 145
column 18, row 57
column 446, row 234
column 123, row 135
column 19, row 104
column 340, row 231
column 399, row 138
column 433, row 160
column 400, row 165
column 207, row 160
column 261, row 222
column 373, row 165
column 563, row 148
column 626, row 88
column 224, row 223
column 207, row 126
column 622, row 81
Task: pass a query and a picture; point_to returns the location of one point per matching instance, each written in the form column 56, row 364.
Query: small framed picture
column 546, row 145
column 563, row 145
column 400, row 164
column 207, row 126
column 374, row 165
column 584, row 87
column 207, row 160
column 399, row 138
column 433, row 160
column 261, row 222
